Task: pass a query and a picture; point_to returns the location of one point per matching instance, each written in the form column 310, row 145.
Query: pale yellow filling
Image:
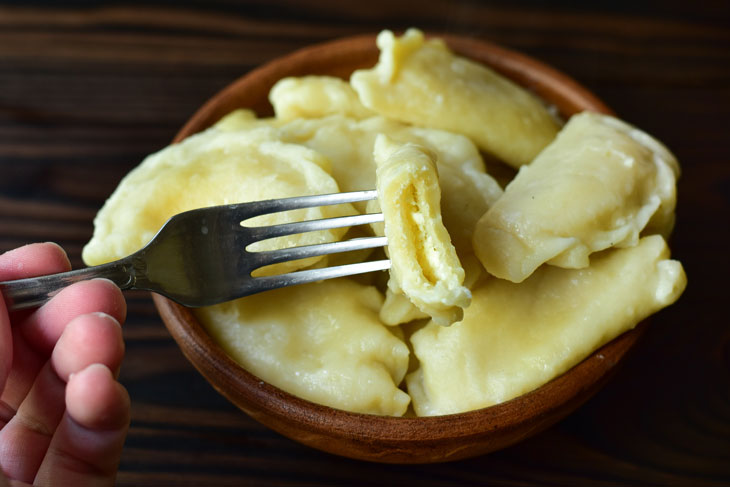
column 425, row 267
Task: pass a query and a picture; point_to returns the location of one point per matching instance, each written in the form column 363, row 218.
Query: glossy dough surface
column 323, row 342
column 208, row 169
column 515, row 337
column 422, row 82
column 600, row 184
column 315, row 97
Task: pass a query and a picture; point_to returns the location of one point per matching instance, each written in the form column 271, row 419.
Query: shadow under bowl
column 380, row 438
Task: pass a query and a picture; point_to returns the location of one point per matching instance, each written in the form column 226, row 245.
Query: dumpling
column 315, row 97
column 598, row 185
column 425, row 267
column 215, row 168
column 322, row 342
column 422, row 82
column 516, row 337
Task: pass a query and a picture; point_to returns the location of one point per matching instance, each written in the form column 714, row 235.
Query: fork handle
column 34, row 291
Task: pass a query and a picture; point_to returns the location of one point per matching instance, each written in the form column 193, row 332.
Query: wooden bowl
column 378, row 438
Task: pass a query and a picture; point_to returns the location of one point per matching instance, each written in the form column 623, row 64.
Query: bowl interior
column 377, row 438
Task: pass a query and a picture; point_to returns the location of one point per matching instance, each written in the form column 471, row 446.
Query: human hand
column 63, row 415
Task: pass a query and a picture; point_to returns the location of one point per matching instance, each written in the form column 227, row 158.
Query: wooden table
column 86, row 92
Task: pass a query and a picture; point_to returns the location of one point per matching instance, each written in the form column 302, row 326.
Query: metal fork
column 199, row 257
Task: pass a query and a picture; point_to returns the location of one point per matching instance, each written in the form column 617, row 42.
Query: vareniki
column 492, row 292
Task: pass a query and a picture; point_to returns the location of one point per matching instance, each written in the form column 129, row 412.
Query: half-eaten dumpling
column 425, row 266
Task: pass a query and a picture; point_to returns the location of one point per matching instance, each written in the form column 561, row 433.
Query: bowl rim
column 515, row 419
column 199, row 345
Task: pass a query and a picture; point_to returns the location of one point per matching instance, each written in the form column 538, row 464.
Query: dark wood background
column 87, row 89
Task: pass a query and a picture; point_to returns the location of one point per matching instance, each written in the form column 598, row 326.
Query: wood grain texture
column 90, row 88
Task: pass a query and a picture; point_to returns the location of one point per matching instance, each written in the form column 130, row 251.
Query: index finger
column 33, row 260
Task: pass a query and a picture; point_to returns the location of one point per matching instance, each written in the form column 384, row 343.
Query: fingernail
column 107, row 316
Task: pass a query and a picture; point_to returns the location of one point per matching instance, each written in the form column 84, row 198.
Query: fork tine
column 260, row 259
column 245, row 211
column 265, row 283
column 272, row 231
